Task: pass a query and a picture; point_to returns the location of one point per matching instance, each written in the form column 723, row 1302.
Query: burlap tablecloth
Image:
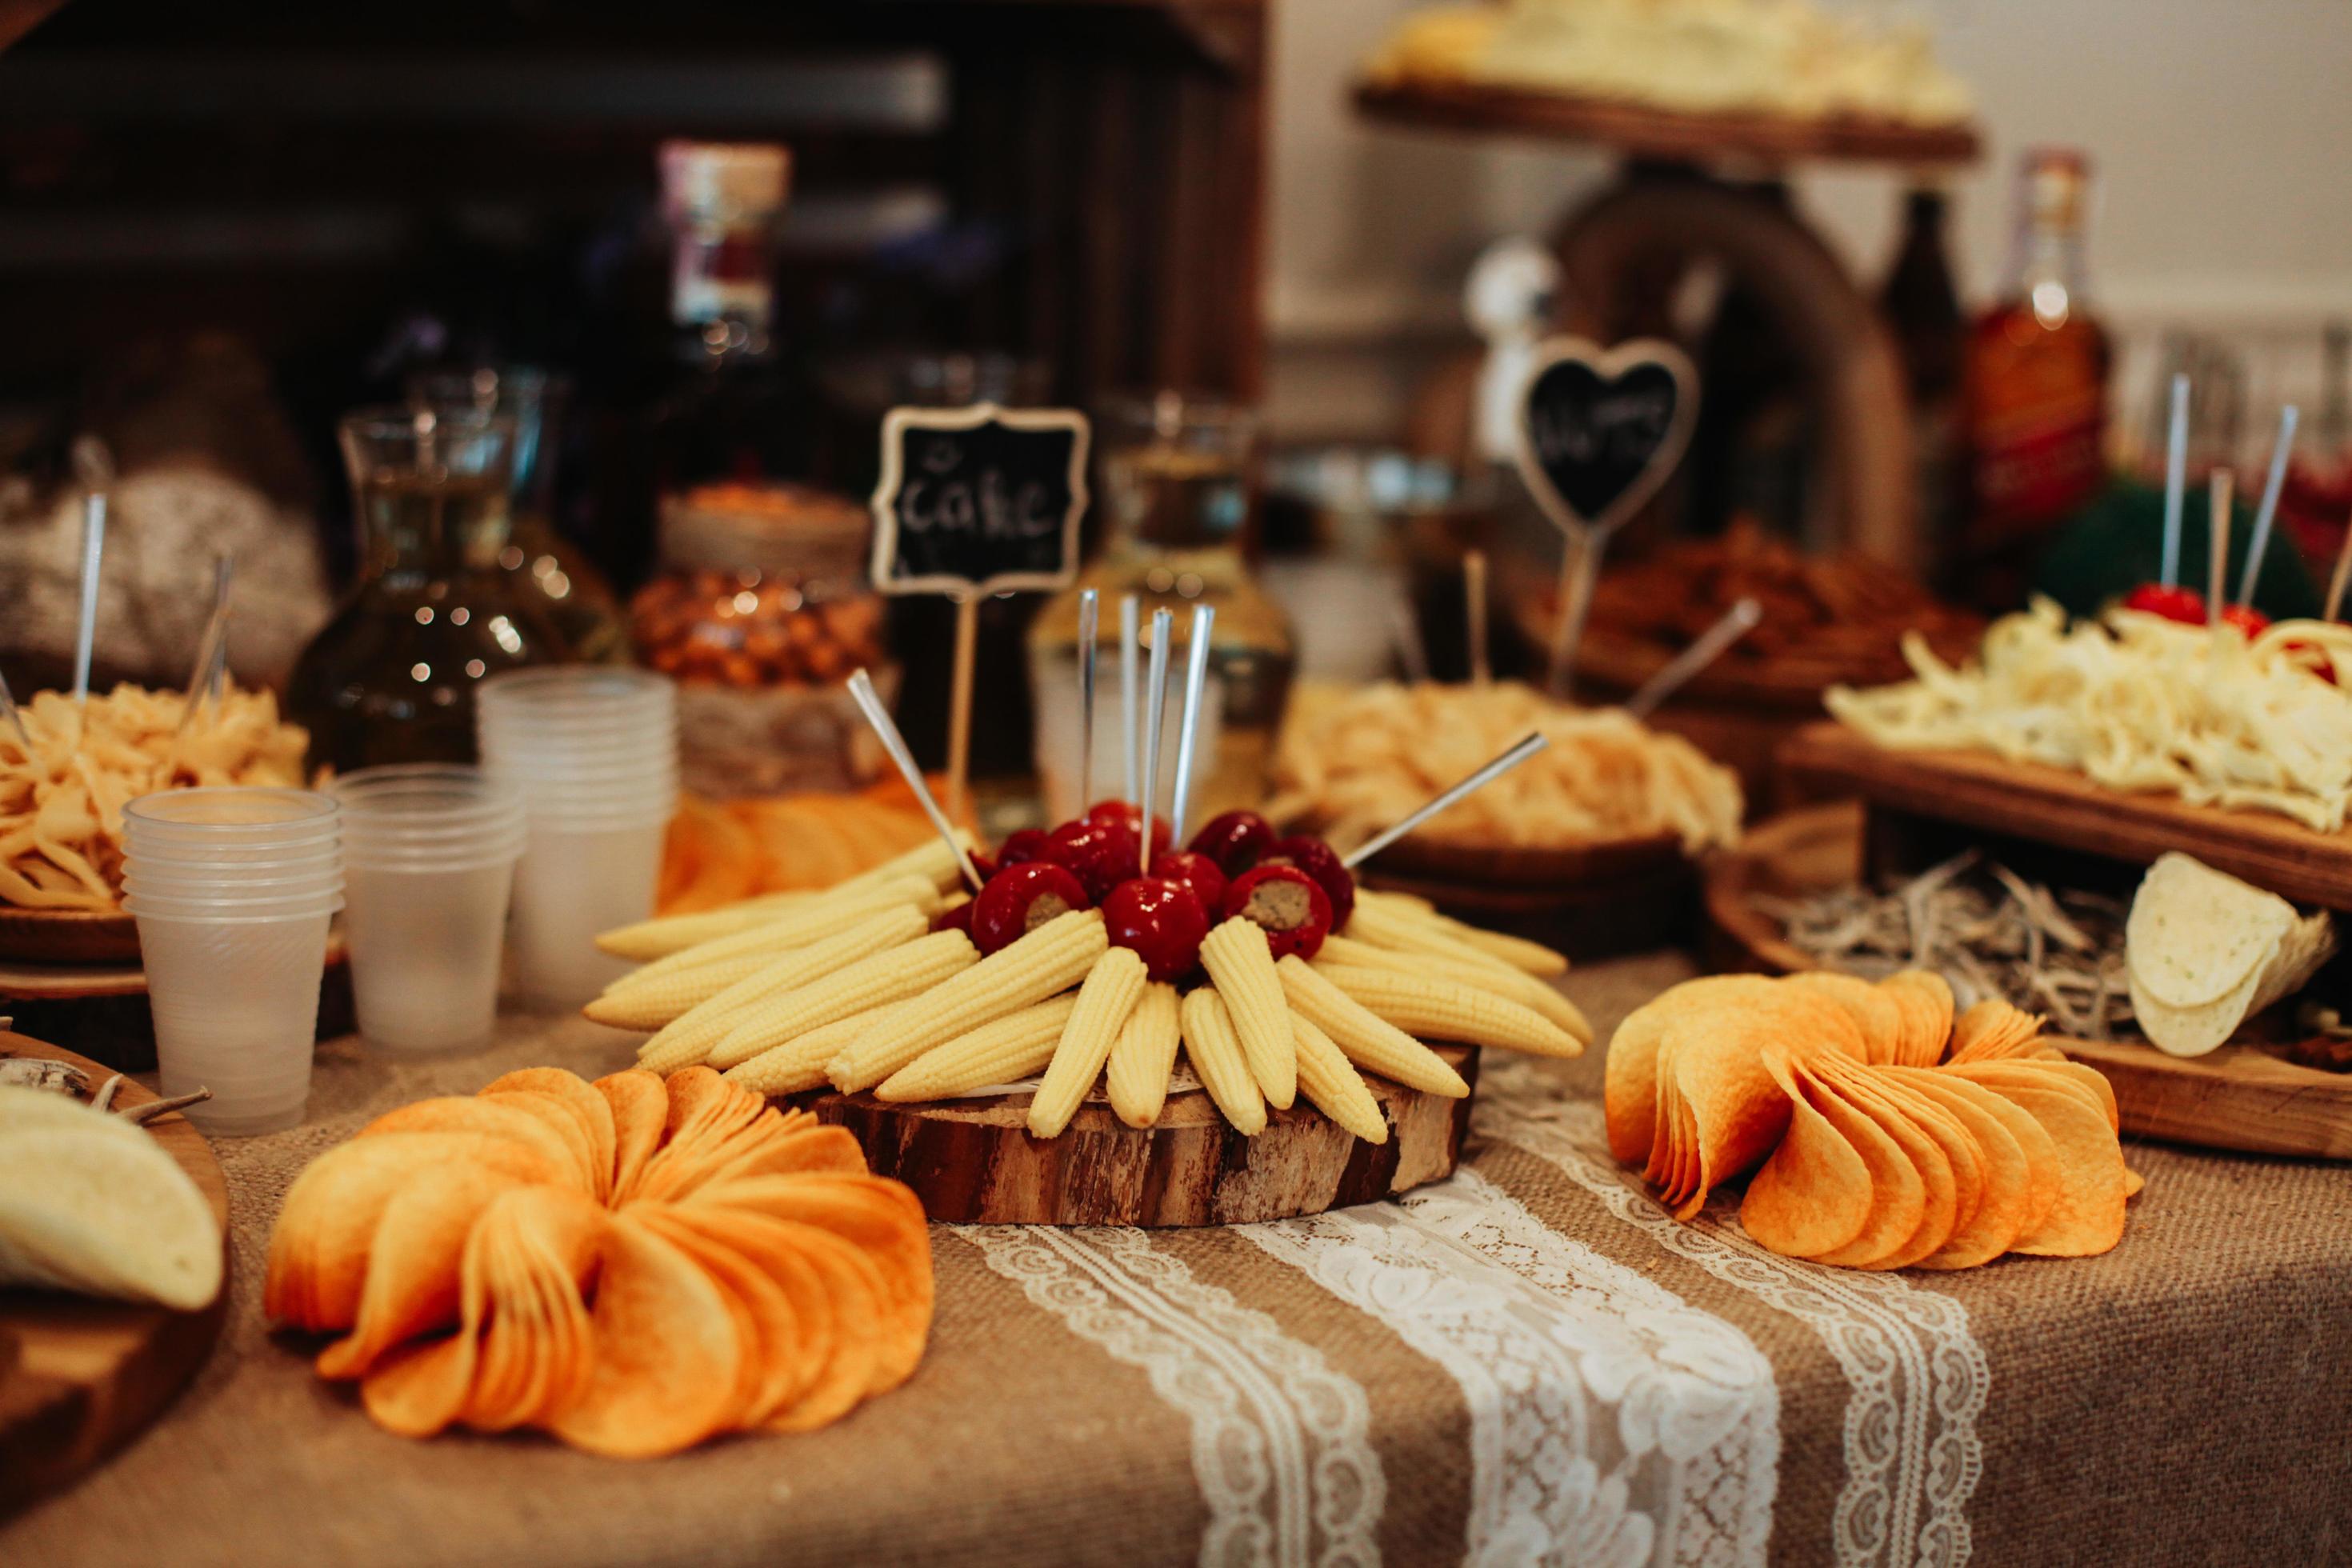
column 1527, row 1364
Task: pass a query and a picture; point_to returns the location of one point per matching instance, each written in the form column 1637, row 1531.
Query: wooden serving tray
column 973, row 1160
column 2049, row 806
column 1659, row 133
column 2239, row 1097
column 68, row 936
column 89, row 1375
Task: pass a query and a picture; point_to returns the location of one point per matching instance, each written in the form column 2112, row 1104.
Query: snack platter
column 2239, row 1096
column 1988, row 794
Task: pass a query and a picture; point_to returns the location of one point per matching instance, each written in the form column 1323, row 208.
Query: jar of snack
column 761, row 611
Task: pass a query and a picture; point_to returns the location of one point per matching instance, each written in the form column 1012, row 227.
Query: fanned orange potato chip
column 1630, row 1087
column 667, row 1351
column 1992, row 1029
column 634, row 1264
column 1813, row 1195
column 640, row 1112
column 1890, row 1248
column 1960, row 1171
column 590, row 1109
column 1874, row 1013
column 326, row 1228
column 2005, row 1191
column 1898, row 1203
column 2086, row 1082
column 2088, row 1217
column 1924, row 1000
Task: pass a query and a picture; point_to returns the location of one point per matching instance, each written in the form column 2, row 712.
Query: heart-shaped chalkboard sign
column 979, row 499
column 1600, row 429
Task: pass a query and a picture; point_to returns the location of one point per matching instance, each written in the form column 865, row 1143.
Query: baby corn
column 1049, row 960
column 1143, row 1056
column 1000, row 1051
column 1241, row 965
column 1395, row 911
column 687, row 1038
column 799, row 1063
column 1492, row 975
column 1446, row 1009
column 1217, row 1060
column 665, row 935
column 664, row 999
column 1370, row 1042
column 1109, row 994
column 891, row 976
column 802, row 924
column 1337, row 1090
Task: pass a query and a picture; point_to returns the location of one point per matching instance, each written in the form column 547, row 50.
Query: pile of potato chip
column 61, row 803
column 1883, row 1133
column 634, row 1265
column 2206, row 952
column 93, row 1204
column 718, row 851
column 1355, row 765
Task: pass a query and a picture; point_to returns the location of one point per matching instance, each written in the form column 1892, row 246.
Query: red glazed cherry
column 1161, row 920
column 1022, row 844
column 2184, row 605
column 1235, row 840
column 1019, row 898
column 1128, row 815
column 1288, row 903
column 1101, row 855
column 1320, row 862
column 956, row 917
column 1197, row 873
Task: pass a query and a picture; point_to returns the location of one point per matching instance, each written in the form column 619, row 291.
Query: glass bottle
column 541, row 565
column 1923, row 309
column 737, row 412
column 2035, row 389
column 1179, row 527
column 391, row 677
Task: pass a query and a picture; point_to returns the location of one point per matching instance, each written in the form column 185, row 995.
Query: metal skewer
column 1519, row 754
column 1196, row 675
column 861, row 690
column 1089, row 624
column 211, row 649
column 2176, row 479
column 2258, row 541
column 1155, row 704
column 1737, row 622
column 1130, row 609
column 96, row 470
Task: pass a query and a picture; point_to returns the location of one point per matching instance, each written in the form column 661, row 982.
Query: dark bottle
column 1922, row 310
column 391, row 677
column 737, row 412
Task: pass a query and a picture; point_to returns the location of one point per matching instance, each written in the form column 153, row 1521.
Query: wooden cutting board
column 2239, row 1097
column 973, row 1160
column 2049, row 806
column 79, row 1378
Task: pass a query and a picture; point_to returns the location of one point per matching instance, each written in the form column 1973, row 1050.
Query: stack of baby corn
column 852, row 987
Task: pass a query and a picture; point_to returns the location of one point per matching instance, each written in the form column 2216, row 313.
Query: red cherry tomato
column 1197, row 873
column 1022, row 844
column 2246, row 618
column 1161, row 920
column 1022, row 898
column 1320, row 862
column 1129, row 815
column 957, row 917
column 1235, row 840
column 1288, row 903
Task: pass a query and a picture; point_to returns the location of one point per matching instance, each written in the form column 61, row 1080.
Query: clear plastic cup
column 430, row 852
column 572, row 884
column 232, row 890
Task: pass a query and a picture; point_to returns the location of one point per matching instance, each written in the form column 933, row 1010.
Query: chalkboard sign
column 979, row 499
column 1600, row 429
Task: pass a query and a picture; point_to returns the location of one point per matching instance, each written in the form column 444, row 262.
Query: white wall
column 2221, row 132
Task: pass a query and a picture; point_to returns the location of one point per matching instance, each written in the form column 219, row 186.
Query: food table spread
column 1529, row 1362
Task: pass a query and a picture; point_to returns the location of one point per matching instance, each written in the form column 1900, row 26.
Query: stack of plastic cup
column 429, row 852
column 593, row 751
column 234, row 890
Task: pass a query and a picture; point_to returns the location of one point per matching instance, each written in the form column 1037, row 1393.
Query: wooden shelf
column 2025, row 800
column 1658, row 133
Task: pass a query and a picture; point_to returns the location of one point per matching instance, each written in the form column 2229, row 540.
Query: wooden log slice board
column 2241, row 1097
column 973, row 1160
column 79, row 1378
